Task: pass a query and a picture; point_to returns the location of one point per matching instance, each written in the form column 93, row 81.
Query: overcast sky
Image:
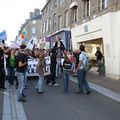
column 14, row 12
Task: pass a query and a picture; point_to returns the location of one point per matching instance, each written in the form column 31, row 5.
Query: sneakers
column 40, row 92
column 50, row 84
column 88, row 92
column 55, row 84
column 24, row 96
column 22, row 100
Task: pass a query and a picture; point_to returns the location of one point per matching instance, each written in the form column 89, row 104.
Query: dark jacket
column 1, row 58
column 62, row 47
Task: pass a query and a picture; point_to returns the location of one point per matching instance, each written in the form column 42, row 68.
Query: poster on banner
column 47, row 60
column 32, row 66
column 47, row 70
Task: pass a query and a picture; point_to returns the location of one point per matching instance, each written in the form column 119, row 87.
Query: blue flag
column 3, row 35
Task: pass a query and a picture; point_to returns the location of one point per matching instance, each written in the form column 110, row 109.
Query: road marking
column 104, row 91
column 6, row 107
column 19, row 108
column 12, row 109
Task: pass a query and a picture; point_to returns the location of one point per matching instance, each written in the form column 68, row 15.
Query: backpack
column 67, row 64
column 87, row 66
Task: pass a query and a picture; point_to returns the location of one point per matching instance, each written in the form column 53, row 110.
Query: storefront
column 91, row 46
column 103, row 32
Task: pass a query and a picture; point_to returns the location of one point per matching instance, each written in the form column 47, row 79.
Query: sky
column 14, row 12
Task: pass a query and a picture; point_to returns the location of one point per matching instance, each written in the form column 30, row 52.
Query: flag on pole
column 30, row 44
column 3, row 36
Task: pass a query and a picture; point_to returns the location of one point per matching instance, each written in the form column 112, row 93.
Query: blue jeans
column 25, row 80
column 58, row 69
column 82, row 82
column 21, row 85
column 66, row 75
column 11, row 75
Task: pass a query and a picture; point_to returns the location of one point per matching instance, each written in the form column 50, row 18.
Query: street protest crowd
column 52, row 63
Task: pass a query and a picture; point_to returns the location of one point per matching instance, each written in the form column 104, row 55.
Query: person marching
column 21, row 73
column 81, row 73
column 40, row 71
column 66, row 67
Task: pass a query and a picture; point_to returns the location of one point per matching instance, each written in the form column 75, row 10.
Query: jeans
column 11, row 75
column 82, row 82
column 58, row 69
column 66, row 75
column 100, row 67
column 73, row 67
column 21, row 84
column 40, row 84
column 25, row 80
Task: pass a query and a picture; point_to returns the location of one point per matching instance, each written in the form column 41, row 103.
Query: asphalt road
column 1, row 105
column 54, row 105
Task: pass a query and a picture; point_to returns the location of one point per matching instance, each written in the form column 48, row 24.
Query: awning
column 73, row 4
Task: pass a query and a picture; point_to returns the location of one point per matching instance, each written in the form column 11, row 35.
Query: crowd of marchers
column 54, row 63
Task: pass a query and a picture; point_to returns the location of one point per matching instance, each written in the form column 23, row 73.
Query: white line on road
column 12, row 110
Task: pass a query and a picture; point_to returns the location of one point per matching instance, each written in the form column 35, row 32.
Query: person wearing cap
column 21, row 70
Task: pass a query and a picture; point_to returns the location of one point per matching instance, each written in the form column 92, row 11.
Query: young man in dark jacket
column 21, row 73
column 2, row 69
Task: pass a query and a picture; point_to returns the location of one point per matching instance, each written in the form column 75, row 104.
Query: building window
column 66, row 18
column 61, row 2
column 102, row 4
column 49, row 24
column 33, row 22
column 55, row 3
column 46, row 26
column 59, row 22
column 46, row 10
column 43, row 14
column 86, row 8
column 33, row 30
column 54, row 21
column 43, row 28
column 50, row 6
column 74, row 14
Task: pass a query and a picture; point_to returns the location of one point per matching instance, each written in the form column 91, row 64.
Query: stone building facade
column 32, row 27
column 91, row 22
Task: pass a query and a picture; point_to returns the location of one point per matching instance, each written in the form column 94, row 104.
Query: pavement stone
column 1, row 105
column 111, row 84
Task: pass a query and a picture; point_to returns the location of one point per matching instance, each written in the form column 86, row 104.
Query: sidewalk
column 111, row 84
